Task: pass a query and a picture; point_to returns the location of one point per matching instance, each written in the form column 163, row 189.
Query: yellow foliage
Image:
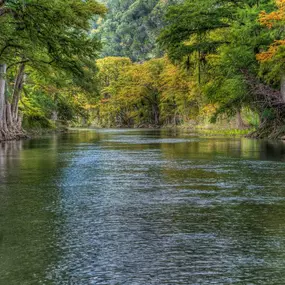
column 271, row 52
column 132, row 92
column 208, row 110
column 270, row 20
column 276, row 16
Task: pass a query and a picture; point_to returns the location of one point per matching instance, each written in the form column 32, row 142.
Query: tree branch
column 7, row 46
column 16, row 63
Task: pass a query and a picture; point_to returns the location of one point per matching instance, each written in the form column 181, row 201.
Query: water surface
column 142, row 207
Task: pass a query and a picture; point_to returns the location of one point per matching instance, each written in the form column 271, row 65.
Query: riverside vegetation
column 136, row 63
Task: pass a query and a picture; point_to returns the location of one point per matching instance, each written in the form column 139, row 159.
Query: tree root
column 270, row 105
column 12, row 134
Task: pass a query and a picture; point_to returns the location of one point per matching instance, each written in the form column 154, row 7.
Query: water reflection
column 28, row 224
column 142, row 207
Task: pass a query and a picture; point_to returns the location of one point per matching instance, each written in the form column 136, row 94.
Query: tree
column 219, row 44
column 131, row 27
column 37, row 35
column 152, row 93
column 274, row 55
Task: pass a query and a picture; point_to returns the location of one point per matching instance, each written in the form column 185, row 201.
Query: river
column 142, row 207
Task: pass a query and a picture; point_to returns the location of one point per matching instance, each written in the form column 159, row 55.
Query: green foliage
column 46, row 98
column 218, row 44
column 53, row 40
column 153, row 93
column 131, row 27
column 37, row 122
column 217, row 132
column 211, row 45
column 50, row 32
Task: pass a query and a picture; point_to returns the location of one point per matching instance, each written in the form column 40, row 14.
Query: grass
column 225, row 132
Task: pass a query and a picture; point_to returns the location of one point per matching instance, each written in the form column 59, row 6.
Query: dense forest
column 131, row 27
column 136, row 63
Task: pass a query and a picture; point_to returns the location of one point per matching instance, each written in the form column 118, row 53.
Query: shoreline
column 200, row 130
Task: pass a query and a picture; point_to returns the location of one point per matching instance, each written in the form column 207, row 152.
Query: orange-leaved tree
column 275, row 54
column 271, row 20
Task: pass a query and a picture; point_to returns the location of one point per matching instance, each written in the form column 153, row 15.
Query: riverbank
column 35, row 133
column 226, row 128
column 211, row 130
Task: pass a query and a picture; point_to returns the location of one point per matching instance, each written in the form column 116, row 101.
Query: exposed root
column 269, row 103
column 12, row 134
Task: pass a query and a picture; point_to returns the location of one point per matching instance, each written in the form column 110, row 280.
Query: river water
column 142, row 207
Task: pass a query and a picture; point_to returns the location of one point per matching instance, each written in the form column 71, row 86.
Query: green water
column 142, row 207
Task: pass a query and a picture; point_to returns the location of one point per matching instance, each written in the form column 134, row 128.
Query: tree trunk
column 54, row 116
column 155, row 112
column 240, row 123
column 2, row 90
column 18, row 86
column 10, row 123
column 9, row 117
column 2, row 98
column 282, row 85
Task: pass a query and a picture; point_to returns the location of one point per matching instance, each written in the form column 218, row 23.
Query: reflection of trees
column 8, row 152
column 28, row 226
column 203, row 158
column 233, row 208
column 209, row 148
column 272, row 150
column 30, row 204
